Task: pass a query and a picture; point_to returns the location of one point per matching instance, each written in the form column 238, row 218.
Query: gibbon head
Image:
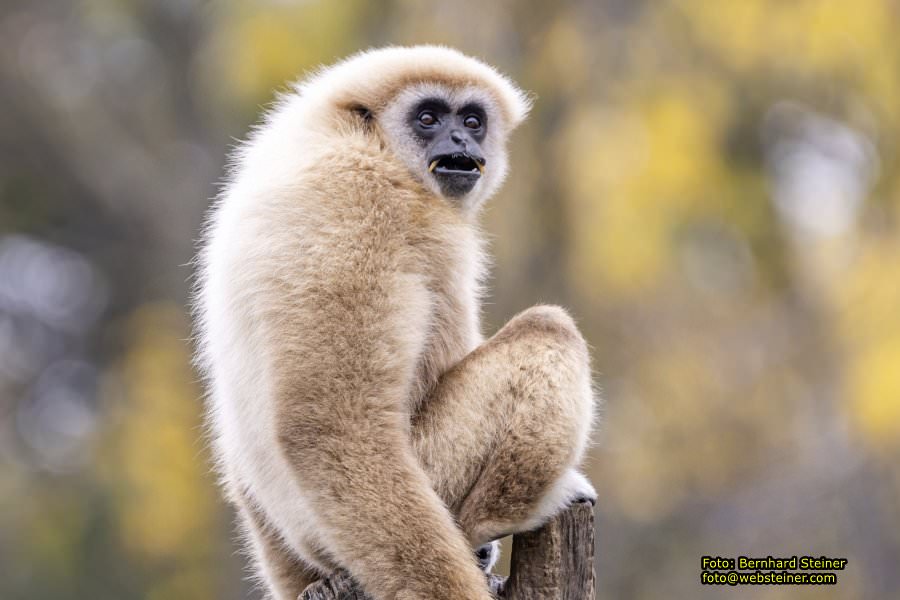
column 446, row 116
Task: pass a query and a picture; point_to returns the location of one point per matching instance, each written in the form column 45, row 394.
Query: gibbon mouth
column 457, row 163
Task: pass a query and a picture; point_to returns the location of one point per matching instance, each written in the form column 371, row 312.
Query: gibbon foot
column 579, row 488
column 487, row 555
column 585, row 500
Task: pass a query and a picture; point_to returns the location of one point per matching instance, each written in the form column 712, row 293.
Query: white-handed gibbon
column 359, row 418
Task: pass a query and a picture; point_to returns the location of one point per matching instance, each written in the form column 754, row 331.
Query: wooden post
column 555, row 562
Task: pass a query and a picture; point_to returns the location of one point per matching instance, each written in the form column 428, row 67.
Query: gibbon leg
column 502, row 434
column 285, row 572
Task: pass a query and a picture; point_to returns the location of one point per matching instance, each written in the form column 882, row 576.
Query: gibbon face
column 451, row 139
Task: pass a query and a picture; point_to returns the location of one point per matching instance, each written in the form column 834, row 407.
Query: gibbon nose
column 458, row 137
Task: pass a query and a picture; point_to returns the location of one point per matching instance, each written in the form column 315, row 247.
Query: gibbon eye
column 472, row 122
column 427, row 118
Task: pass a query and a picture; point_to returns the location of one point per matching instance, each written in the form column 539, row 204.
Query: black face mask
column 452, row 143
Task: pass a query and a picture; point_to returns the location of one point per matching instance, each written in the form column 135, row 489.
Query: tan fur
column 358, row 418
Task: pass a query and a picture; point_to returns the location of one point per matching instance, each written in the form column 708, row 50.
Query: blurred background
column 713, row 188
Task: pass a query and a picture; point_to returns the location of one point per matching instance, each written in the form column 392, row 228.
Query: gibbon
column 359, row 418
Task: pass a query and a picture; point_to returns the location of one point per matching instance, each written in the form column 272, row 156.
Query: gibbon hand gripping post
column 554, row 562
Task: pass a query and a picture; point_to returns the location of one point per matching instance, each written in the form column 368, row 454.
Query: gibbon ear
column 364, row 114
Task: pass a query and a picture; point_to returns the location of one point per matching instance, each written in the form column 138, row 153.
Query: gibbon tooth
column 432, row 166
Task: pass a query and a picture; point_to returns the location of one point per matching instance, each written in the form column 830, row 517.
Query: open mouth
column 456, row 163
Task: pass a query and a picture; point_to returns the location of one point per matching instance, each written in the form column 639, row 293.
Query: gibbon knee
column 551, row 324
column 547, row 345
column 548, row 318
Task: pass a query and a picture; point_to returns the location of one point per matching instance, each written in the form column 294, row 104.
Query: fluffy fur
column 358, row 417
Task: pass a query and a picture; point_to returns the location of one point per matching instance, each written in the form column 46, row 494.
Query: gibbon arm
column 343, row 381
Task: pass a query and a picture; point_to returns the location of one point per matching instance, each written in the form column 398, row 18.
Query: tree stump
column 555, row 562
